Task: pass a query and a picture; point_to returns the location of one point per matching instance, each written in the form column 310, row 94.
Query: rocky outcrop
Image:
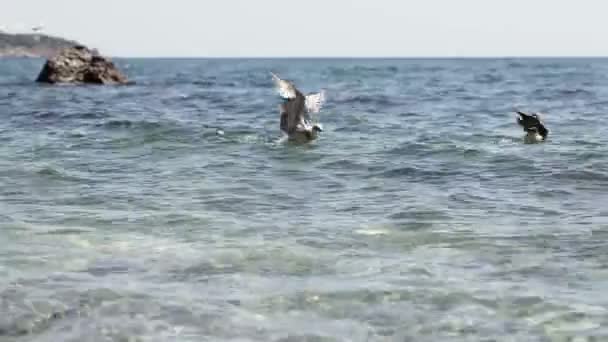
column 78, row 64
column 32, row 45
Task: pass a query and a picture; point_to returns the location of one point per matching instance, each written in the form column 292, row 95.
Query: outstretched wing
column 520, row 118
column 286, row 90
column 315, row 101
column 527, row 120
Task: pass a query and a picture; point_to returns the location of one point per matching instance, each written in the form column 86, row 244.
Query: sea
column 170, row 209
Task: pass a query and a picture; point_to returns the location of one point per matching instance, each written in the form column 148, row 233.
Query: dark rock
column 78, row 64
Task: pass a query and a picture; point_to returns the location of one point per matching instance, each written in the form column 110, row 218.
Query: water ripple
column 168, row 210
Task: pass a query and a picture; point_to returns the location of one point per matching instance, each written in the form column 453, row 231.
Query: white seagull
column 295, row 111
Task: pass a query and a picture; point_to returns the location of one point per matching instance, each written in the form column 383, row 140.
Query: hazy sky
column 321, row 27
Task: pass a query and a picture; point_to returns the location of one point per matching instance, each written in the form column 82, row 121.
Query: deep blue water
column 168, row 211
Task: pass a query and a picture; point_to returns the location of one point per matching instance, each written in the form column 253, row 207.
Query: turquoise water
column 168, row 211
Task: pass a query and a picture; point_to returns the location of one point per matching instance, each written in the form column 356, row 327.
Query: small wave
column 122, row 124
column 516, row 65
column 32, row 323
column 575, row 92
column 45, row 114
column 52, row 173
column 553, row 193
column 67, row 114
column 562, row 94
column 581, row 175
column 375, row 100
column 49, row 171
column 25, row 83
column 489, row 79
column 204, row 83
column 76, row 134
column 25, row 318
column 88, row 115
column 344, row 164
column 419, row 174
column 106, row 268
column 590, row 155
column 410, row 149
column 425, row 150
column 64, row 230
column 133, row 133
column 419, row 215
column 359, row 69
column 467, row 198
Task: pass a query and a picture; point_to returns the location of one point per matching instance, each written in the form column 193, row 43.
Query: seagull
column 533, row 126
column 296, row 122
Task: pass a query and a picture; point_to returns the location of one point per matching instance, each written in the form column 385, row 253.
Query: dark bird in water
column 533, row 126
column 296, row 122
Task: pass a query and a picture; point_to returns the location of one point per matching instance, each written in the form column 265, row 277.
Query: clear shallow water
column 418, row 216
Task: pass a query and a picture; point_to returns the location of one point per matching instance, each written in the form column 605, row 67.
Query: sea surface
column 168, row 210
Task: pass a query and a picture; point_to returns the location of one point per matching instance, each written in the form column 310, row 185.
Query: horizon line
column 366, row 57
